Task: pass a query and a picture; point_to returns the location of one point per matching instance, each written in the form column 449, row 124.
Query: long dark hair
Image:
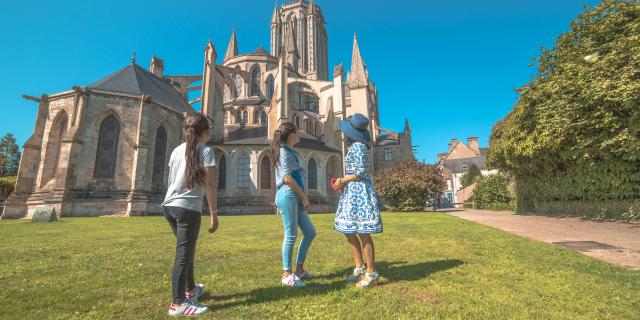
column 279, row 140
column 193, row 126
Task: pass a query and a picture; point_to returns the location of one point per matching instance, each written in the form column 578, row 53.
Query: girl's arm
column 288, row 180
column 360, row 167
column 212, row 197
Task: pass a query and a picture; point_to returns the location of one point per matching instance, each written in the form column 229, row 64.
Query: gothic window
column 255, row 81
column 243, row 177
column 107, row 148
column 245, row 116
column 222, row 173
column 265, row 173
column 388, row 155
column 242, row 116
column 238, row 83
column 263, row 117
column 270, row 87
column 159, row 157
column 313, row 175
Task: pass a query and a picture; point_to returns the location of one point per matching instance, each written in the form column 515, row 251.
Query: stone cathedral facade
column 103, row 148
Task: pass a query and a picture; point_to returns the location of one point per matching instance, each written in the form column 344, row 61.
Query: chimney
column 473, row 144
column 452, row 144
column 441, row 156
column 157, row 66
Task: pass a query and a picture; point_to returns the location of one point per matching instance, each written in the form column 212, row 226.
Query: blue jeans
column 294, row 216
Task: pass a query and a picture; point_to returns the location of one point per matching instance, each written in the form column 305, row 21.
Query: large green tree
column 574, row 133
column 9, row 156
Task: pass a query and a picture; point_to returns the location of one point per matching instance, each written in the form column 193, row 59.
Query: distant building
column 103, row 148
column 457, row 162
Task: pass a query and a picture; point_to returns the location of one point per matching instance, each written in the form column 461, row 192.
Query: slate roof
column 252, row 135
column 458, row 165
column 260, row 51
column 386, row 140
column 136, row 80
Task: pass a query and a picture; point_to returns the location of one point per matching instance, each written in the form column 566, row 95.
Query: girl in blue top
column 358, row 214
column 292, row 202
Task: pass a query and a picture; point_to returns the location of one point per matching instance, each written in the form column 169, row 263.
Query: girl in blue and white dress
column 358, row 213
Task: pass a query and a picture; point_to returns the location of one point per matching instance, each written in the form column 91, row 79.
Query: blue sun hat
column 356, row 127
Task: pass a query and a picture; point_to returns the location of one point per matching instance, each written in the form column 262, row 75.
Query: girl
column 358, row 213
column 191, row 176
column 292, row 203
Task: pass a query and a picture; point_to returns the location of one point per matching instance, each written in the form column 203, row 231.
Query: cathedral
column 103, row 148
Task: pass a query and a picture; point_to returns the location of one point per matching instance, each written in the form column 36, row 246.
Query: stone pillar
column 138, row 199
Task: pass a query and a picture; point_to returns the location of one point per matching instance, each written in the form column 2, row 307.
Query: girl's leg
column 288, row 204
column 187, row 227
column 356, row 249
column 308, row 234
column 369, row 252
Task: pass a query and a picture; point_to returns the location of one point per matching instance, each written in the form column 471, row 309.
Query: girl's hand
column 214, row 223
column 338, row 185
column 305, row 203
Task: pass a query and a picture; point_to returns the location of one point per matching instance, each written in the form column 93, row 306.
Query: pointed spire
column 312, row 8
column 232, row 48
column 358, row 76
column 407, row 128
column 275, row 18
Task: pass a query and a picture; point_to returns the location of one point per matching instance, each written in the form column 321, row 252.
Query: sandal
column 357, row 273
column 368, row 280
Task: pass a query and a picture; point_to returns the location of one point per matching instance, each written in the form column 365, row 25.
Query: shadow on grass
column 393, row 271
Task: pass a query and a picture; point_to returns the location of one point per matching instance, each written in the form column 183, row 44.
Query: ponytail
column 279, row 140
column 193, row 126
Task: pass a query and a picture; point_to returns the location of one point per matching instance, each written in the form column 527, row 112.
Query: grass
column 434, row 266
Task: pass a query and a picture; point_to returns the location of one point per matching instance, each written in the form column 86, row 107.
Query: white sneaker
column 293, row 281
column 188, row 308
column 305, row 275
column 198, row 291
column 357, row 274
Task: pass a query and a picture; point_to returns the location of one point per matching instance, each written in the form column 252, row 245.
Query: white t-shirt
column 178, row 195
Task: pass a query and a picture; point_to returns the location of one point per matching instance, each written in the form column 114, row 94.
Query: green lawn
column 434, row 266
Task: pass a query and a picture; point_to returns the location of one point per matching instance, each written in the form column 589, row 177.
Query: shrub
column 494, row 193
column 8, row 181
column 408, row 185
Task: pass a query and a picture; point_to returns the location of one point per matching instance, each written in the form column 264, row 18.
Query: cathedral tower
column 306, row 22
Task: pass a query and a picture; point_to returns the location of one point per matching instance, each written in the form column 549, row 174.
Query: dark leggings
column 186, row 226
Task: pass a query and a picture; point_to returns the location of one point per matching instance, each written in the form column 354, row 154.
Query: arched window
column 222, row 173
column 54, row 143
column 244, row 169
column 263, row 117
column 107, row 149
column 256, row 117
column 245, row 116
column 313, row 175
column 255, row 81
column 270, row 87
column 157, row 179
column 265, row 173
column 242, row 116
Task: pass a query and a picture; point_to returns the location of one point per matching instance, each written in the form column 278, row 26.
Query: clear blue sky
column 449, row 66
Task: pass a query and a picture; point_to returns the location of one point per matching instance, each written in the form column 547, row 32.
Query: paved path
column 624, row 238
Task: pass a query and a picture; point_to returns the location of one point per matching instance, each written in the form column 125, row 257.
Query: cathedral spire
column 312, row 8
column 232, row 48
column 407, row 128
column 275, row 18
column 358, row 76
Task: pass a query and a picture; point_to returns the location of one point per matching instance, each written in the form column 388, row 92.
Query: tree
column 471, row 176
column 494, row 192
column 409, row 184
column 574, row 133
column 9, row 156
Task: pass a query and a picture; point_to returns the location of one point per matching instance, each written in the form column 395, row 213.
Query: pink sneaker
column 188, row 308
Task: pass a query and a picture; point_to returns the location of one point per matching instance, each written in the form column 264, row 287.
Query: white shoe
column 357, row 273
column 198, row 291
column 293, row 281
column 188, row 308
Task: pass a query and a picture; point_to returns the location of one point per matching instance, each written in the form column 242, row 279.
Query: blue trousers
column 294, row 216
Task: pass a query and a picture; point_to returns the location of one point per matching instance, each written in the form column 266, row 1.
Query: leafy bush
column 408, row 185
column 8, row 181
column 494, row 193
column 471, row 176
column 574, row 133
